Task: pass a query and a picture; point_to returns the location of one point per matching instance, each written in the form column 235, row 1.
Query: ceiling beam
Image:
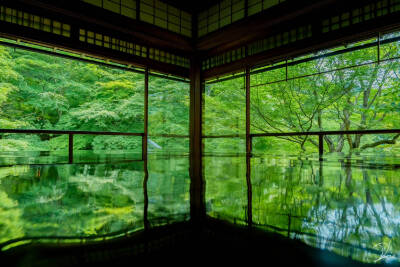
column 192, row 6
column 17, row 32
column 357, row 32
column 240, row 34
column 267, row 22
column 86, row 15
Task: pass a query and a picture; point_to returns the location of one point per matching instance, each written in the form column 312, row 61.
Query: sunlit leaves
column 10, row 218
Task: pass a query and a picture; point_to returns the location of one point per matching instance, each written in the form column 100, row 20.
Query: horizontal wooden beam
column 377, row 131
column 252, row 27
column 336, row 38
column 240, row 34
column 192, row 6
column 89, row 16
column 14, row 31
column 39, row 131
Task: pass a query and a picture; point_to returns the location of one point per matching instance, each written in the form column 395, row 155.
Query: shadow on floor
column 181, row 244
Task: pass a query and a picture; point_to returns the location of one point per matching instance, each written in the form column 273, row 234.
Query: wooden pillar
column 321, row 146
column 146, row 115
column 144, row 149
column 145, row 196
column 70, row 148
column 197, row 185
column 248, row 137
column 248, row 153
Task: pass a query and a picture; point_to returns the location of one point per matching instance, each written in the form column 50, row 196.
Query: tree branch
column 382, row 142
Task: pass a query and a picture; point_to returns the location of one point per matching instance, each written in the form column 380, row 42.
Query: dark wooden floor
column 213, row 243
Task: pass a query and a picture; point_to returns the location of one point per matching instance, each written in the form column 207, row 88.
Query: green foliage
column 337, row 92
column 93, row 199
column 14, row 145
column 38, row 91
column 116, row 142
column 352, row 210
column 168, row 107
column 225, row 108
column 10, row 218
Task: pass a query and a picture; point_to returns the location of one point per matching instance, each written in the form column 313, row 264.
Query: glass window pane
column 168, row 115
column 43, row 92
column 225, row 108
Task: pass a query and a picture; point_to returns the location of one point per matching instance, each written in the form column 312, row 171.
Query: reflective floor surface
column 69, row 202
column 349, row 205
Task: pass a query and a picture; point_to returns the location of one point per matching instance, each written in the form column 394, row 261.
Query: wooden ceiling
column 240, row 35
column 192, row 6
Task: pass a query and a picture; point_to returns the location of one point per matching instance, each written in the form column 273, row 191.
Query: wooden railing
column 321, row 135
column 71, row 137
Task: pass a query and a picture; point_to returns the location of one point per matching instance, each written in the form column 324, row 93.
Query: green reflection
column 168, row 190
column 66, row 202
column 346, row 205
column 226, row 192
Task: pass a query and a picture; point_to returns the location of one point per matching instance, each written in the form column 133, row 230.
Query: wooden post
column 248, row 137
column 248, row 153
column 144, row 151
column 145, row 196
column 197, row 185
column 146, row 115
column 70, row 148
column 321, row 146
